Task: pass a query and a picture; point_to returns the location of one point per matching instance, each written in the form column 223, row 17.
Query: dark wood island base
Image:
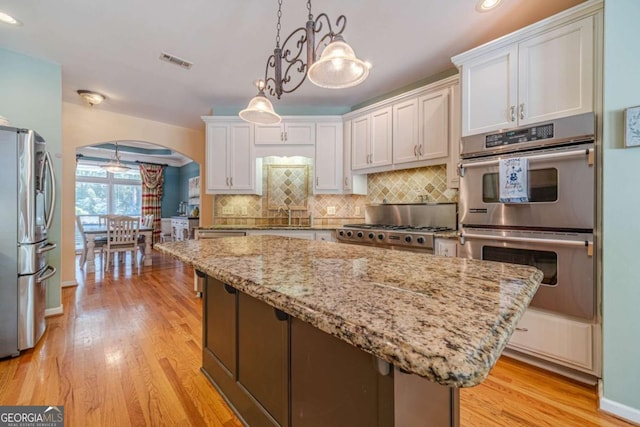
column 276, row 370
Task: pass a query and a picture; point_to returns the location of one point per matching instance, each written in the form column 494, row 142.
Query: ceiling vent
column 176, row 61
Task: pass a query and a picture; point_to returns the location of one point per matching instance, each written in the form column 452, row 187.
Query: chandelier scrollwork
column 296, row 59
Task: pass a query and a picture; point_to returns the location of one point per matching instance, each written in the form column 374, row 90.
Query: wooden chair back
column 122, row 231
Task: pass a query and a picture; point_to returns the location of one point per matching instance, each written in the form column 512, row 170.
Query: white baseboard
column 54, row 311
column 68, row 284
column 620, row 410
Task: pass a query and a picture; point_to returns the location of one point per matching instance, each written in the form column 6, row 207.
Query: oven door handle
column 589, row 153
column 588, row 245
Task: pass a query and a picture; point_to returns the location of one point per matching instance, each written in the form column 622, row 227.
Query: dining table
column 93, row 230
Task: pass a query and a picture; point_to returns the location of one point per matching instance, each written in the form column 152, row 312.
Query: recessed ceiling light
column 8, row 19
column 486, row 5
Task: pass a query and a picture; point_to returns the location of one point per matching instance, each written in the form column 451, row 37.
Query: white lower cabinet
column 445, row 247
column 564, row 341
column 326, row 236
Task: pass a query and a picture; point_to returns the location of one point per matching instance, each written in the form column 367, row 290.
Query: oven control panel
column 534, row 133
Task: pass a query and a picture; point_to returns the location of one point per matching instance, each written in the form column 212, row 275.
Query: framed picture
column 632, row 127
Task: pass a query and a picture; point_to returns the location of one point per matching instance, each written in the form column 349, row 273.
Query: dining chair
column 99, row 242
column 122, row 237
column 147, row 221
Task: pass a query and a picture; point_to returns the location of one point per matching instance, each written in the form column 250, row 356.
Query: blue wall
column 176, row 187
column 31, row 98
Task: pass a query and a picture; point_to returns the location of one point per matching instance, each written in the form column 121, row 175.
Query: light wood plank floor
column 127, row 352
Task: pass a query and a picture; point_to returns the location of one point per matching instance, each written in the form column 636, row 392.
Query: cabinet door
column 328, row 161
column 335, row 383
column 217, row 157
column 241, row 159
column 446, row 247
column 489, row 96
column 360, row 142
column 351, row 184
column 453, row 180
column 263, row 356
column 434, row 125
column 555, row 72
column 326, row 236
column 405, row 131
column 381, row 137
column 220, row 323
column 300, row 133
column 269, row 134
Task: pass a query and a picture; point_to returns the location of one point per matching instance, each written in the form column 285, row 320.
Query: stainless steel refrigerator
column 27, row 201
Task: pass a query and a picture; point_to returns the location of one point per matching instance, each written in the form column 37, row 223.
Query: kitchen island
column 301, row 332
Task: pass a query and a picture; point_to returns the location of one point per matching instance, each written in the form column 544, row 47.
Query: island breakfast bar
column 312, row 333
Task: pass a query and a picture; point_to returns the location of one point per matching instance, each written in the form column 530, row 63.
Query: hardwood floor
column 127, row 352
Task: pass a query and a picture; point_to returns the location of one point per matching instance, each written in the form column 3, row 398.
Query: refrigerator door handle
column 52, row 196
column 45, row 276
column 46, row 248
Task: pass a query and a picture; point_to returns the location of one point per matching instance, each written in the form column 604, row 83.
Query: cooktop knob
column 408, row 239
column 371, row 236
column 360, row 234
column 349, row 233
column 421, row 240
column 381, row 236
column 341, row 232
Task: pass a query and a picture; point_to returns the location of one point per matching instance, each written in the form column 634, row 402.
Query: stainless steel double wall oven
column 553, row 230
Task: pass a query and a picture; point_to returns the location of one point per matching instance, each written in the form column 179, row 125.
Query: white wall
column 621, row 198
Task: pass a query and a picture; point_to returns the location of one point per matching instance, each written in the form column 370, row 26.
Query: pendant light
column 115, row 165
column 260, row 110
column 338, row 66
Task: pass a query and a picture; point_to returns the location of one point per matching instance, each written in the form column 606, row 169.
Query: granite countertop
column 269, row 227
column 446, row 319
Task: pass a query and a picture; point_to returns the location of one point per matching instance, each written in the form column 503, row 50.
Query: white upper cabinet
column 231, row 166
column 433, row 134
column 371, row 139
column 289, row 132
column 328, row 158
column 555, row 73
column 351, row 184
column 543, row 76
column 405, row 131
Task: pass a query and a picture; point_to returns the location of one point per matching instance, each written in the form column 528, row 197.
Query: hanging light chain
column 278, row 26
column 309, row 9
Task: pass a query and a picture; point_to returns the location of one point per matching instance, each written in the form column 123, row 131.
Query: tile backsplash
column 403, row 186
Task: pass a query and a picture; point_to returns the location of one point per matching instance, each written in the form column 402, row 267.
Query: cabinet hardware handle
column 281, row 136
column 346, row 181
column 420, row 150
column 227, row 181
column 280, row 315
column 522, row 329
column 317, row 181
column 231, row 181
column 513, row 113
column 230, row 289
column 286, row 137
column 522, row 111
column 415, row 151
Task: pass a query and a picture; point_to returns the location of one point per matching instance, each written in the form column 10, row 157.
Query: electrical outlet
column 244, row 210
column 227, row 210
column 331, row 210
column 357, row 210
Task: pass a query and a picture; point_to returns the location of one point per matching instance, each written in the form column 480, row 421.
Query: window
column 99, row 192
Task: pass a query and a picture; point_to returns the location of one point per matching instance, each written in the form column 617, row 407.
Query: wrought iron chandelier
column 337, row 68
